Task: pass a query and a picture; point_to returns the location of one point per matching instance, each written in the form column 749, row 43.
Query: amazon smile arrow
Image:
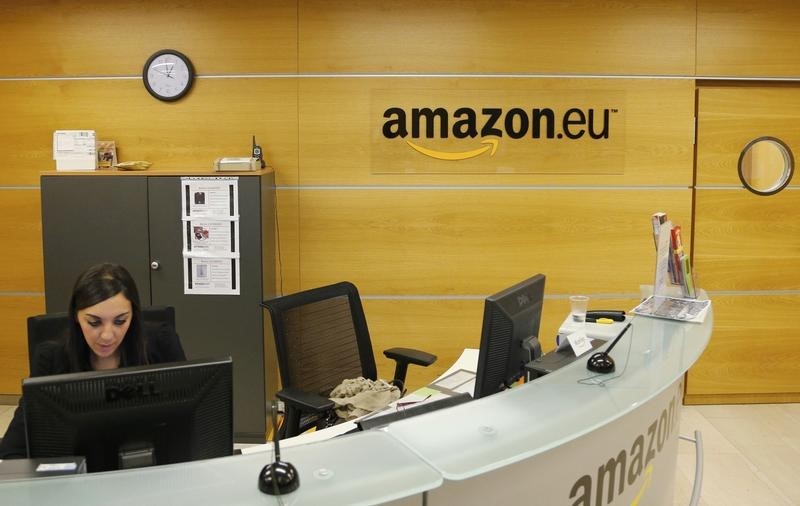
column 491, row 144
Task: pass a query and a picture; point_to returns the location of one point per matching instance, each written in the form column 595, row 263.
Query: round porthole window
column 766, row 165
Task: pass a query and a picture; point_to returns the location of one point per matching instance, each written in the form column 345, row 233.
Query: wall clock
column 168, row 75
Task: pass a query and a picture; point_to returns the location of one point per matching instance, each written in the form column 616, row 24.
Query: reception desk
column 571, row 437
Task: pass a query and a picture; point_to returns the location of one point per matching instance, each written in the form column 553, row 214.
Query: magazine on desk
column 674, row 308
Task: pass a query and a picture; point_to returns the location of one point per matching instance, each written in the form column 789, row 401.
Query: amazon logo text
column 494, row 123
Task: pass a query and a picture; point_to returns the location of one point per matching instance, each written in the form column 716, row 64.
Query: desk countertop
column 432, row 452
column 558, row 407
column 330, row 473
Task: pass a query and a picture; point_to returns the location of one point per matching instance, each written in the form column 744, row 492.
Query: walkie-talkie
column 258, row 154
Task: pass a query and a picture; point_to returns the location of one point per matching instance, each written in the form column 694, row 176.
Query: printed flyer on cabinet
column 210, row 208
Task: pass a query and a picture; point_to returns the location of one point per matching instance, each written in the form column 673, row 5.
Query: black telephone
column 258, row 154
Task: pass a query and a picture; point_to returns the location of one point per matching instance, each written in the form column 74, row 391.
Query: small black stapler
column 617, row 316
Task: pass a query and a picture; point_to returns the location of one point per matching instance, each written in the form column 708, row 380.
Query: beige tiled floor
column 751, row 454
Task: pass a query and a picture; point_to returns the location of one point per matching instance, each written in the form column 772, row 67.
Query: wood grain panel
column 730, row 117
column 585, row 36
column 338, row 125
column 100, row 38
column 441, row 327
column 14, row 313
column 466, row 242
column 287, row 241
column 218, row 118
column 771, row 398
column 745, row 39
column 446, row 327
column 21, row 240
column 743, row 241
column 754, row 350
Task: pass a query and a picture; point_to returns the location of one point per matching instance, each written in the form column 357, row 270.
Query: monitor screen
column 510, row 335
column 132, row 417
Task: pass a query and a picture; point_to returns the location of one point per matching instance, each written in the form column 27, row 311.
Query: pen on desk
column 619, row 336
column 407, row 403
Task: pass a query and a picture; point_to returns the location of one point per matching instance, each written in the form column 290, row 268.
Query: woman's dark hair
column 96, row 284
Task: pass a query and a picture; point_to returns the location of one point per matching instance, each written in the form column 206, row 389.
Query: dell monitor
column 510, row 335
column 132, row 417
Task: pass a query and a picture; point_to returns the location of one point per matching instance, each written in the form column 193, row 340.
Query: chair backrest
column 321, row 338
column 50, row 326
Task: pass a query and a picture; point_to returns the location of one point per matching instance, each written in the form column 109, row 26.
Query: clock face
column 168, row 75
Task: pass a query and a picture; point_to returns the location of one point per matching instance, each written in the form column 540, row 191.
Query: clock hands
column 168, row 72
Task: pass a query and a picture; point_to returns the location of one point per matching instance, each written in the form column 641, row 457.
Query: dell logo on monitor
column 523, row 300
column 131, row 391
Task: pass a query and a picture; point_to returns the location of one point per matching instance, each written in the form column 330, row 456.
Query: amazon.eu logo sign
column 491, row 124
column 569, row 131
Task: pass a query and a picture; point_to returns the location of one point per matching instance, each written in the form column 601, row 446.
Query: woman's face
column 104, row 326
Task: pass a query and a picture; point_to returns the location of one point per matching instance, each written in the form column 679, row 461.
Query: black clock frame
column 189, row 65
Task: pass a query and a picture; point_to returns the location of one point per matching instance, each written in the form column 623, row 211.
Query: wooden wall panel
column 14, row 313
column 464, row 242
column 731, row 116
column 488, row 36
column 746, row 247
column 753, row 354
column 219, row 118
column 442, row 327
column 337, row 126
column 743, row 241
column 396, row 235
column 742, row 38
column 445, row 327
column 287, row 240
column 100, row 38
column 21, row 239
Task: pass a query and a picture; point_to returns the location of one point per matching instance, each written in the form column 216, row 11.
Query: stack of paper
column 75, row 149
column 673, row 308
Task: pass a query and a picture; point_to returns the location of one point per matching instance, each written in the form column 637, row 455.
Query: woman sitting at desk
column 106, row 331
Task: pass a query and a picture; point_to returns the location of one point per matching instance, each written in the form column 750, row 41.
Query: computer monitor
column 132, row 417
column 510, row 335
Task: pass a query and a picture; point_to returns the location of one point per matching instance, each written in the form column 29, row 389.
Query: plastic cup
column 578, row 304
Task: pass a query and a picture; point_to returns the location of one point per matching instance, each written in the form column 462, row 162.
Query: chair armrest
column 403, row 357
column 410, row 356
column 305, row 401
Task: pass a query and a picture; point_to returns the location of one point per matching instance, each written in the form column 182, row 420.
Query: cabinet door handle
column 155, row 265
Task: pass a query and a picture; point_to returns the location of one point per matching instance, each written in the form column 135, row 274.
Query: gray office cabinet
column 135, row 220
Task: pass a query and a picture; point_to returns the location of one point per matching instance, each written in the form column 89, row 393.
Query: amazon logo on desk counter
column 627, row 473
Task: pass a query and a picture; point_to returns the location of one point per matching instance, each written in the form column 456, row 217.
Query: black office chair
column 321, row 338
column 53, row 326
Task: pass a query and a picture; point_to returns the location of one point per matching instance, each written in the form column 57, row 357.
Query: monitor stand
column 136, row 454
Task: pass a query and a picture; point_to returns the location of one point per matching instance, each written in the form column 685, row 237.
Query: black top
column 163, row 345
